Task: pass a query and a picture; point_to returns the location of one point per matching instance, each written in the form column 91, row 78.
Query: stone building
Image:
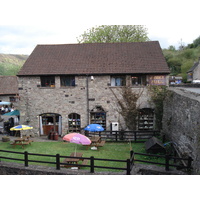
column 66, row 87
column 9, row 89
column 194, row 73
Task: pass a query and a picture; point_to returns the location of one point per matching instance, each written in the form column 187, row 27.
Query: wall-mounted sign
column 157, row 80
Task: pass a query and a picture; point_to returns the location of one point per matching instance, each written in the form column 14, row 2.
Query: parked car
column 196, row 81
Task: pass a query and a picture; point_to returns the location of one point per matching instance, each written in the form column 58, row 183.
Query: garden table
column 74, row 160
column 21, row 141
column 95, row 141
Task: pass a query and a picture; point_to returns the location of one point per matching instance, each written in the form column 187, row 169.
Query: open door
column 50, row 122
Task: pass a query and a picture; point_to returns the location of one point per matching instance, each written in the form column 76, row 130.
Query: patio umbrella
column 15, row 112
column 77, row 138
column 4, row 103
column 21, row 127
column 94, row 128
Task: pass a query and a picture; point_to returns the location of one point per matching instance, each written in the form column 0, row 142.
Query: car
column 196, row 81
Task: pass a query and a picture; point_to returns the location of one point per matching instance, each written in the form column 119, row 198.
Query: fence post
column 189, row 163
column 92, row 164
column 167, row 162
column 26, row 158
column 58, row 161
column 116, row 134
column 163, row 138
column 131, row 153
column 128, row 169
column 135, row 135
column 132, row 157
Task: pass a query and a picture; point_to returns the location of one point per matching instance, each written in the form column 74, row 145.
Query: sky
column 24, row 24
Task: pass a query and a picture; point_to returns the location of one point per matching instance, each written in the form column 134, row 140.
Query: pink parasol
column 77, row 138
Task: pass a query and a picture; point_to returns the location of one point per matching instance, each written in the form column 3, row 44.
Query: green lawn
column 119, row 151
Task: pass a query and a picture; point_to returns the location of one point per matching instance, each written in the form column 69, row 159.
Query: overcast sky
column 26, row 23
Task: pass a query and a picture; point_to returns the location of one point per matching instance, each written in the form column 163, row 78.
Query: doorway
column 50, row 122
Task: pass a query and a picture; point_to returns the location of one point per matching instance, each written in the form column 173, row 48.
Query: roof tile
column 8, row 85
column 96, row 58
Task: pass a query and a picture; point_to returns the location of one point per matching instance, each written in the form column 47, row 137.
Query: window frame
column 141, row 80
column 121, row 78
column 70, row 78
column 47, row 81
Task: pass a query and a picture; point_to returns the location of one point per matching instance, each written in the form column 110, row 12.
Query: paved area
column 195, row 90
column 35, row 139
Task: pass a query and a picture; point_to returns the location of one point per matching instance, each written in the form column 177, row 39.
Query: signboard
column 157, row 80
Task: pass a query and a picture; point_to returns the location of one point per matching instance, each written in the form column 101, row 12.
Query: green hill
column 10, row 64
column 181, row 60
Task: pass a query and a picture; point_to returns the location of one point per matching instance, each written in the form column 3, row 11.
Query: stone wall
column 181, row 122
column 8, row 168
column 35, row 100
column 196, row 72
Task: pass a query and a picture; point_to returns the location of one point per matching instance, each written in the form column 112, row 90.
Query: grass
column 118, row 151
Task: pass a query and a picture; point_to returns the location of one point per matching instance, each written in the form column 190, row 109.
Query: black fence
column 120, row 136
column 128, row 163
column 167, row 159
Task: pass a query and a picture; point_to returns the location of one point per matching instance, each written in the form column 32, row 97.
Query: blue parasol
column 94, row 128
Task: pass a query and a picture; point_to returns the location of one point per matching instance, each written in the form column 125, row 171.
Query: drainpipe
column 87, row 98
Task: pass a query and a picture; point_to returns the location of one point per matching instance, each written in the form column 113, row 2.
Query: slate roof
column 96, row 58
column 193, row 67
column 153, row 141
column 8, row 85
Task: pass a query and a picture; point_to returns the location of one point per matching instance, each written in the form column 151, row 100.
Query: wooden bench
column 85, row 162
column 26, row 142
column 87, row 145
column 101, row 144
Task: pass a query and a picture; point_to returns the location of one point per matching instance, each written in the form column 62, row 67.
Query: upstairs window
column 47, row 81
column 67, row 81
column 118, row 81
column 138, row 80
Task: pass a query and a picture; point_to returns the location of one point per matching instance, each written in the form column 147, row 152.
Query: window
column 118, row 80
column 98, row 116
column 146, row 119
column 47, row 81
column 74, row 122
column 138, row 80
column 67, row 81
column 14, row 99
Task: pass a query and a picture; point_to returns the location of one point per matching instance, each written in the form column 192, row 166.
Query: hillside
column 10, row 64
column 180, row 61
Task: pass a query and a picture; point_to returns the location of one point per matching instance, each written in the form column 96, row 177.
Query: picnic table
column 22, row 141
column 70, row 161
column 96, row 142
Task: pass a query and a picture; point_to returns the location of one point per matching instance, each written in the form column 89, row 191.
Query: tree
column 128, row 106
column 195, row 43
column 158, row 93
column 2, row 69
column 114, row 33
